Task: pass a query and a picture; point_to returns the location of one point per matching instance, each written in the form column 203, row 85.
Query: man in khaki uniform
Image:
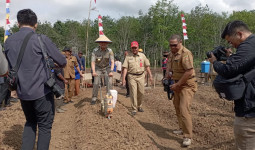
column 180, row 69
column 69, row 74
column 135, row 64
column 101, row 56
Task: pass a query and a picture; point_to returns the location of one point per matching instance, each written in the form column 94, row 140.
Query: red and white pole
column 184, row 27
column 100, row 25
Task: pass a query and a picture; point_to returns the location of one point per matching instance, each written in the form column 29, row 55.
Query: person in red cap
column 135, row 66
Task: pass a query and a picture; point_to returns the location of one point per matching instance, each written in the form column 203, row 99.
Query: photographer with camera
column 180, row 68
column 240, row 37
column 37, row 99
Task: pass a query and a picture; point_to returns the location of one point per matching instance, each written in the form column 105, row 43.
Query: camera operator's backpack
column 12, row 77
column 234, row 88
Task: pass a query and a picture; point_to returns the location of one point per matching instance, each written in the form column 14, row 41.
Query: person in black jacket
column 240, row 37
column 37, row 99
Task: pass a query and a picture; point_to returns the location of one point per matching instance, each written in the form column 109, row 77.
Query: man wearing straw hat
column 101, row 56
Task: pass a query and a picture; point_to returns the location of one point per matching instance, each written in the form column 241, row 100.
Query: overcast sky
column 53, row 10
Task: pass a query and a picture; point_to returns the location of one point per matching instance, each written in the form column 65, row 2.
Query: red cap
column 134, row 44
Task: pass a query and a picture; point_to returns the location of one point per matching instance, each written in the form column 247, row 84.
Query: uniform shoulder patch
column 110, row 50
column 141, row 54
column 95, row 49
column 186, row 51
column 74, row 58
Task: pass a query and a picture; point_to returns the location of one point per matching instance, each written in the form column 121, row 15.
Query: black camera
column 55, row 88
column 167, row 83
column 219, row 52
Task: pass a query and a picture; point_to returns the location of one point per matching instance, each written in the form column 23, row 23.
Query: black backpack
column 234, row 88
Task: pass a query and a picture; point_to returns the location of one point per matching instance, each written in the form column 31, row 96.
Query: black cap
column 67, row 49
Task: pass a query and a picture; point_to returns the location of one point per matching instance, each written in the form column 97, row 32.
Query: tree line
column 151, row 29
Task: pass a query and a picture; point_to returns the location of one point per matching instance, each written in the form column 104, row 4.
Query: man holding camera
column 37, row 100
column 180, row 68
column 240, row 37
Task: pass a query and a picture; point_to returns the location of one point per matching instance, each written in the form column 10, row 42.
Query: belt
column 136, row 74
column 188, row 79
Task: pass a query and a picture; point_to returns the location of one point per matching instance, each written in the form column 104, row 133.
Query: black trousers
column 39, row 112
column 164, row 73
column 5, row 94
column 127, row 86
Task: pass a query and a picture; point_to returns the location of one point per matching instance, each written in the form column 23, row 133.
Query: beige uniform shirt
column 136, row 64
column 180, row 62
column 102, row 58
column 69, row 71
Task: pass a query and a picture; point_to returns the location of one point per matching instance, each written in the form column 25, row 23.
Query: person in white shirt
column 118, row 65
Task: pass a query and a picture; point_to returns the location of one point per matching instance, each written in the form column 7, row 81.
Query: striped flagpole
column 7, row 24
column 184, row 29
column 100, row 25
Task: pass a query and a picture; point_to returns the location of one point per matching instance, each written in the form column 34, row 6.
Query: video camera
column 219, row 52
column 51, row 82
column 167, row 83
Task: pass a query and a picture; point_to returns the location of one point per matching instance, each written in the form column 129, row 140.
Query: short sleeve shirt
column 180, row 62
column 136, row 64
column 102, row 57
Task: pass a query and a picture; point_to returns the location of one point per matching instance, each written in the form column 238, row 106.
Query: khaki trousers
column 77, row 87
column 104, row 73
column 244, row 130
column 136, row 88
column 69, row 89
column 182, row 101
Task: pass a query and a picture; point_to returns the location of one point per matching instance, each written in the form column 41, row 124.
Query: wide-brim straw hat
column 103, row 39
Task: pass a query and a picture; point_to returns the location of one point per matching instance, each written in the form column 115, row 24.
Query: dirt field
column 82, row 127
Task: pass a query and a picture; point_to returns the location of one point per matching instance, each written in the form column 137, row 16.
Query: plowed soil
column 82, row 127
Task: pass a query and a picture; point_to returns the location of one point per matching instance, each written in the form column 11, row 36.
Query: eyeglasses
column 173, row 45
